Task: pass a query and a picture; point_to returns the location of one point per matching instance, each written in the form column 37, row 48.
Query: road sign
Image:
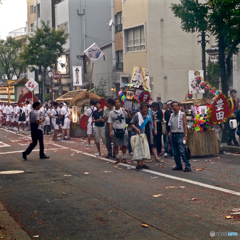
column 31, row 84
column 56, row 75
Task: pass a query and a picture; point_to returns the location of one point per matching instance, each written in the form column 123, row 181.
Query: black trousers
column 158, row 138
column 36, row 136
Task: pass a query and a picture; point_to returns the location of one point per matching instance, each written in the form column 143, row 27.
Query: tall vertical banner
column 77, row 75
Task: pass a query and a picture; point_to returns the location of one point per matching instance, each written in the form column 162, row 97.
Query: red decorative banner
column 145, row 97
column 220, row 110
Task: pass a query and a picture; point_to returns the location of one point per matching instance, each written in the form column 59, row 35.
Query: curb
column 231, row 149
column 10, row 229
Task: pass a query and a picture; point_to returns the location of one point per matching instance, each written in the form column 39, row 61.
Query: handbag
column 188, row 152
column 119, row 133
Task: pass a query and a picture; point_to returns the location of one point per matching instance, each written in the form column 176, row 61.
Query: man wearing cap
column 231, row 129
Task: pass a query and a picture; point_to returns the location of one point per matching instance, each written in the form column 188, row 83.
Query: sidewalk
column 231, row 149
column 9, row 229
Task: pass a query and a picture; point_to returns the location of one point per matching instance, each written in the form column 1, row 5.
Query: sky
column 13, row 15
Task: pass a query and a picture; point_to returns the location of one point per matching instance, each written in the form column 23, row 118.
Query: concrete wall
column 172, row 52
column 45, row 12
column 117, row 6
column 134, row 13
column 62, row 16
column 93, row 25
column 30, row 17
column 103, row 69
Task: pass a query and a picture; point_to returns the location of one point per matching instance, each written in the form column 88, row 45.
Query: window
column 32, row 27
column 135, row 39
column 119, row 64
column 35, row 9
column 38, row 11
column 63, row 26
column 31, row 9
column 118, row 22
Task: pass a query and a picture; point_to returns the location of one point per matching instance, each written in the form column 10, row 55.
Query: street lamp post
column 50, row 74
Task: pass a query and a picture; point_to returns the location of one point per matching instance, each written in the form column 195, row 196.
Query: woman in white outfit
column 65, row 113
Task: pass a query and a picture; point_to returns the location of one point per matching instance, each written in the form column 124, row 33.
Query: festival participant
column 22, row 117
column 231, row 130
column 178, row 136
column 16, row 110
column 167, row 115
column 110, row 107
column 65, row 112
column 99, row 129
column 13, row 117
column 36, row 132
column 118, row 131
column 28, row 110
column 46, row 115
column 159, row 119
column 55, row 120
column 8, row 111
column 90, row 125
column 142, row 122
column 61, row 118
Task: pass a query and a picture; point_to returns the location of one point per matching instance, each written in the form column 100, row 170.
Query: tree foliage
column 223, row 22
column 100, row 90
column 44, row 47
column 213, row 74
column 10, row 58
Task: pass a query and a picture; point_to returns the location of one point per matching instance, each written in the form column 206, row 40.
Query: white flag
column 94, row 53
column 77, row 76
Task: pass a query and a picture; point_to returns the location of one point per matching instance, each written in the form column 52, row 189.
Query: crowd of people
column 117, row 125
column 164, row 125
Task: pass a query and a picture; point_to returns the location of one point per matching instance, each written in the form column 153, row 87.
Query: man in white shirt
column 16, row 115
column 1, row 113
column 55, row 120
column 90, row 125
column 8, row 111
column 28, row 110
column 65, row 114
column 22, row 117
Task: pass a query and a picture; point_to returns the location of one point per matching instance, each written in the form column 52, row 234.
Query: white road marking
column 155, row 173
column 35, row 150
column 2, row 144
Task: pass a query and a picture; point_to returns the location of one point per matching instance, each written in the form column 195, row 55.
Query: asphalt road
column 74, row 195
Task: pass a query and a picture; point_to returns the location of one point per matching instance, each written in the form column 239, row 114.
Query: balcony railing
column 21, row 32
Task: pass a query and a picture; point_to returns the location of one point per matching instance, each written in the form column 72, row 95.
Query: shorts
column 90, row 128
column 8, row 118
column 99, row 132
column 47, row 121
column 120, row 141
column 27, row 119
column 55, row 126
column 21, row 122
column 13, row 119
column 66, row 124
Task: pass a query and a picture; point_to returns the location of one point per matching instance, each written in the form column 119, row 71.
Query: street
column 78, row 196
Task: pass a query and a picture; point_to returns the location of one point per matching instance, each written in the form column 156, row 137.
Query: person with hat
column 142, row 122
column 231, row 127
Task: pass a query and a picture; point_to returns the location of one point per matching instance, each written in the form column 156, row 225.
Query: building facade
column 153, row 39
column 85, row 22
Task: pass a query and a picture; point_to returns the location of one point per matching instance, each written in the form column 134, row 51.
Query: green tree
column 100, row 90
column 43, row 49
column 223, row 22
column 194, row 18
column 10, row 59
column 213, row 74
